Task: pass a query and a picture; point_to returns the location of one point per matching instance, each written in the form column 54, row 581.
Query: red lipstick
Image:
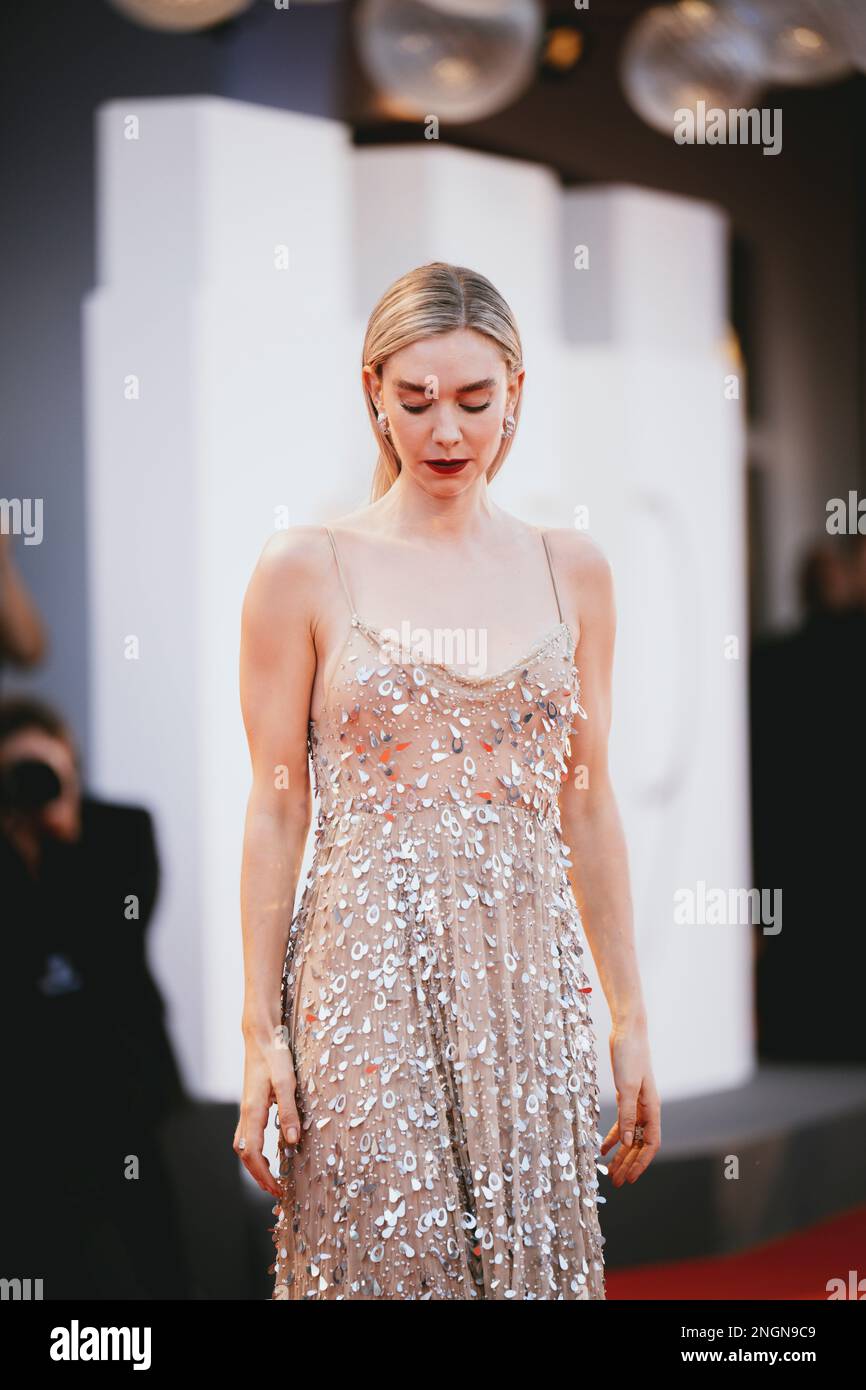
column 443, row 466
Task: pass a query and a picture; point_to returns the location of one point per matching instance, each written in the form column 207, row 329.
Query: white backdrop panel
column 236, row 352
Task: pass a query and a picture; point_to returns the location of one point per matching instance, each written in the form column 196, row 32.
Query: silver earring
column 509, row 425
column 382, row 420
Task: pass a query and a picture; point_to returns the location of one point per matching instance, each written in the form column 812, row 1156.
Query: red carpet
column 795, row 1267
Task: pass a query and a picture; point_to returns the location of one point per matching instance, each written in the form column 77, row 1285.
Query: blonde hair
column 431, row 299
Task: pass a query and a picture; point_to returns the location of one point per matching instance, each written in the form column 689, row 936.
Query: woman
column 423, row 1021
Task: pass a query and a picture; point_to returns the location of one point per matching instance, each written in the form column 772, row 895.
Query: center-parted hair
column 431, row 299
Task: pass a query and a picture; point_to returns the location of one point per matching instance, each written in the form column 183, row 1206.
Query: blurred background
column 207, row 197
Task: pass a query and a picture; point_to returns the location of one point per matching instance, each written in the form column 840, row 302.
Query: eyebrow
column 485, row 385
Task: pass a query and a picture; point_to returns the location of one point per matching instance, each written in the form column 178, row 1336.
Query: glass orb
column 846, row 22
column 461, row 60
column 674, row 56
column 180, row 15
column 801, row 46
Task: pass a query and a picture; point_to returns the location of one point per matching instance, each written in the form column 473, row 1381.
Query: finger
column 648, row 1116
column 287, row 1113
column 629, row 1157
column 623, row 1158
column 646, row 1152
column 616, row 1162
column 652, row 1120
column 635, row 1160
column 256, row 1164
column 628, row 1115
column 643, row 1154
column 620, row 1159
column 643, row 1158
column 611, row 1138
column 252, row 1154
column 285, row 1088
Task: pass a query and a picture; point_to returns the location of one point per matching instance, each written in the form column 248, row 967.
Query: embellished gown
column 434, row 991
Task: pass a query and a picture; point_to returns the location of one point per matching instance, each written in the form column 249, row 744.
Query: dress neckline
column 478, row 682
column 541, row 645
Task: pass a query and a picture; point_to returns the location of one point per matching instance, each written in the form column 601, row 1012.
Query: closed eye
column 417, row 409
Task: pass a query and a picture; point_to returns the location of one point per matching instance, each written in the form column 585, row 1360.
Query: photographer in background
column 808, row 763
column 88, row 1069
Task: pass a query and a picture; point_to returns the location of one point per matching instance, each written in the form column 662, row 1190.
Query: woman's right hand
column 269, row 1077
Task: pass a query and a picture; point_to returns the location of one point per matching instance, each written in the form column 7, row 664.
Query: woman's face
column 446, row 398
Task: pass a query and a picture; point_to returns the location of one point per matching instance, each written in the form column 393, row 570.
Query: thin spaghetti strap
column 340, row 572
column 553, row 576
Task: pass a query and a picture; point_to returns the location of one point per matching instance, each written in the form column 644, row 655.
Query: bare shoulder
column 288, row 574
column 583, row 565
column 291, row 553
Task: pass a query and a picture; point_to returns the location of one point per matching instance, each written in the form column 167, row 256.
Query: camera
column 28, row 785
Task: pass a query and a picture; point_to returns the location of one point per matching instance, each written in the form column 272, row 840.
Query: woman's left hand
column 638, row 1104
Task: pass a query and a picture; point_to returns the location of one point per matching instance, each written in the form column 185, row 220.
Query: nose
column 446, row 427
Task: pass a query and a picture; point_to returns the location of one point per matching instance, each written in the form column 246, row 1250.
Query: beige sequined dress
column 434, row 990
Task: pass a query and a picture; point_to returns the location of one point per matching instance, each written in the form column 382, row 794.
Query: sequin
column 435, row 994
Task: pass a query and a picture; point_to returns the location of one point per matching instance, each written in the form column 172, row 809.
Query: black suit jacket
column 87, row 1060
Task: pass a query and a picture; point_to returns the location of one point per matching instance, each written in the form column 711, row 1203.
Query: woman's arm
column 23, row 638
column 599, row 873
column 277, row 668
